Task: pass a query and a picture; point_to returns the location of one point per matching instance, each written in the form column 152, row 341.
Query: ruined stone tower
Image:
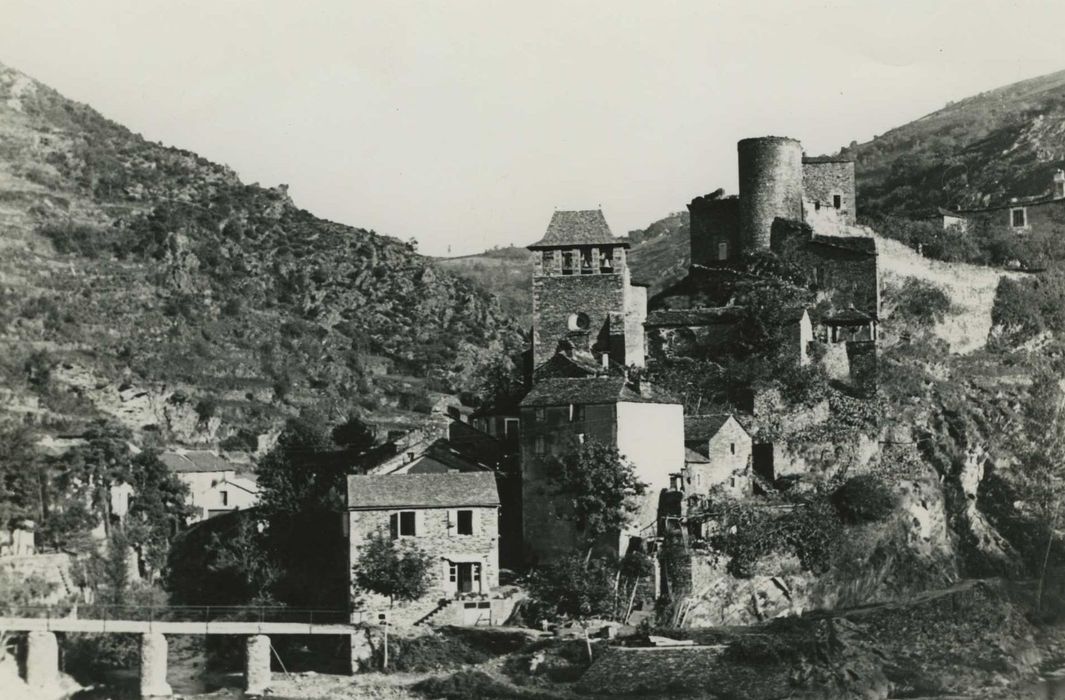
column 770, row 169
column 583, row 299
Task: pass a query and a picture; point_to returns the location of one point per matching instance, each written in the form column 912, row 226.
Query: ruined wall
column 822, row 181
column 714, row 222
column 770, row 174
column 557, row 298
column 690, row 341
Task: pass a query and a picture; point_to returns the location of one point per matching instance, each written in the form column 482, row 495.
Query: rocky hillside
column 148, row 283
column 984, row 149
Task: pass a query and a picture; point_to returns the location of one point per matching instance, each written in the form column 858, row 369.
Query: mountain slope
column 148, row 283
column 984, row 149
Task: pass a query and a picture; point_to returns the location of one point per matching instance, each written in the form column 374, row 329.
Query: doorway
column 467, row 577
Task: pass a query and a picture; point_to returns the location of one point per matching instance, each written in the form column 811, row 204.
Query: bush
column 864, row 499
column 567, row 588
column 921, row 303
column 428, row 653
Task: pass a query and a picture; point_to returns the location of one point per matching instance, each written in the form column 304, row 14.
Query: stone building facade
column 720, row 450
column 1023, row 216
column 454, row 517
column 558, row 415
column 583, row 295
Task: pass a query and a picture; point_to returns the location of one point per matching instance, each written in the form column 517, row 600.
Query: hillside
column 147, row 283
column 984, row 149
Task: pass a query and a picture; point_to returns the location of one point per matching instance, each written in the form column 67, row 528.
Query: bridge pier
column 257, row 676
column 153, row 666
column 42, row 661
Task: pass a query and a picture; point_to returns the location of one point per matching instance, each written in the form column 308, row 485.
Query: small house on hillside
column 718, row 454
column 454, row 517
column 216, row 486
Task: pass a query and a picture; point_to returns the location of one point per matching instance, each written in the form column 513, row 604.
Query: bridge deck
column 70, row 624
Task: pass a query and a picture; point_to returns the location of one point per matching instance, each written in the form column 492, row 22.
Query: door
column 465, row 575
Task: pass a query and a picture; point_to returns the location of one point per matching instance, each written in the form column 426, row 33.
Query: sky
column 464, row 124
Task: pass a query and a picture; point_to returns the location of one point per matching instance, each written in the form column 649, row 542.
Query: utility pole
column 383, row 617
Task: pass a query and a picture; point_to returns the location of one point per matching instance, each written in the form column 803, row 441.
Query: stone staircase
column 440, row 607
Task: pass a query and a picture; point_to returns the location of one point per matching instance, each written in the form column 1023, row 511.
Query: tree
column 294, row 477
column 572, row 587
column 157, row 511
column 399, row 572
column 354, row 434
column 601, row 488
column 1042, row 477
column 243, row 561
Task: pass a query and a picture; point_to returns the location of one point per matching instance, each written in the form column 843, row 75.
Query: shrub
column 569, row 588
column 428, row 653
column 921, row 302
column 863, row 499
column 207, row 408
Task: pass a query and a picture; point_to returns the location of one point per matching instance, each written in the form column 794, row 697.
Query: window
column 540, row 415
column 732, row 446
column 538, row 446
column 510, row 427
column 464, row 522
column 837, row 201
column 1059, row 189
column 606, row 260
column 404, row 524
column 453, row 572
column 576, row 412
column 1018, row 217
column 817, row 205
column 225, row 497
column 722, row 251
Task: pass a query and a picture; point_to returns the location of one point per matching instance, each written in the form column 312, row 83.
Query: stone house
column 1022, row 215
column 216, row 485
column 454, row 517
column 719, row 453
column 645, row 425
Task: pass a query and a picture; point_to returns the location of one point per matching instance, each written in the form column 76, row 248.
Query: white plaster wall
column 205, row 491
column 635, row 315
column 651, row 436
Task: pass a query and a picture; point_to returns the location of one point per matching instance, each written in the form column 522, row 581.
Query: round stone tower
column 770, row 186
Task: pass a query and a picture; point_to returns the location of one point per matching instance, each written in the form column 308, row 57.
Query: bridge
column 257, row 624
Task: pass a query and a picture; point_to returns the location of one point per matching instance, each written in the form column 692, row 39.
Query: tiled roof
column 848, row 316
column 694, row 317
column 857, row 244
column 702, row 428
column 586, row 227
column 422, row 490
column 693, row 457
column 580, row 390
column 195, row 461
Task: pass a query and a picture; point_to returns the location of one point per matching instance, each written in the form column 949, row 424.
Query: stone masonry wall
column 544, row 531
column 822, row 180
column 556, row 298
column 434, row 537
column 714, row 221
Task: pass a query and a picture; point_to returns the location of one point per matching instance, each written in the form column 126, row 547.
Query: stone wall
column 832, row 265
column 439, row 540
column 713, row 222
column 770, row 178
column 545, row 531
column 824, row 179
column 557, row 298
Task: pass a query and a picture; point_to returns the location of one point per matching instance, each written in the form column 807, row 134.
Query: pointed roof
column 570, row 228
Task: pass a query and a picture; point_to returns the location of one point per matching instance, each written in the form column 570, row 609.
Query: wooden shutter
column 393, row 525
column 419, row 523
column 452, row 522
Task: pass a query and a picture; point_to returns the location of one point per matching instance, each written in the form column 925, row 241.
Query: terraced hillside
column 148, row 283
